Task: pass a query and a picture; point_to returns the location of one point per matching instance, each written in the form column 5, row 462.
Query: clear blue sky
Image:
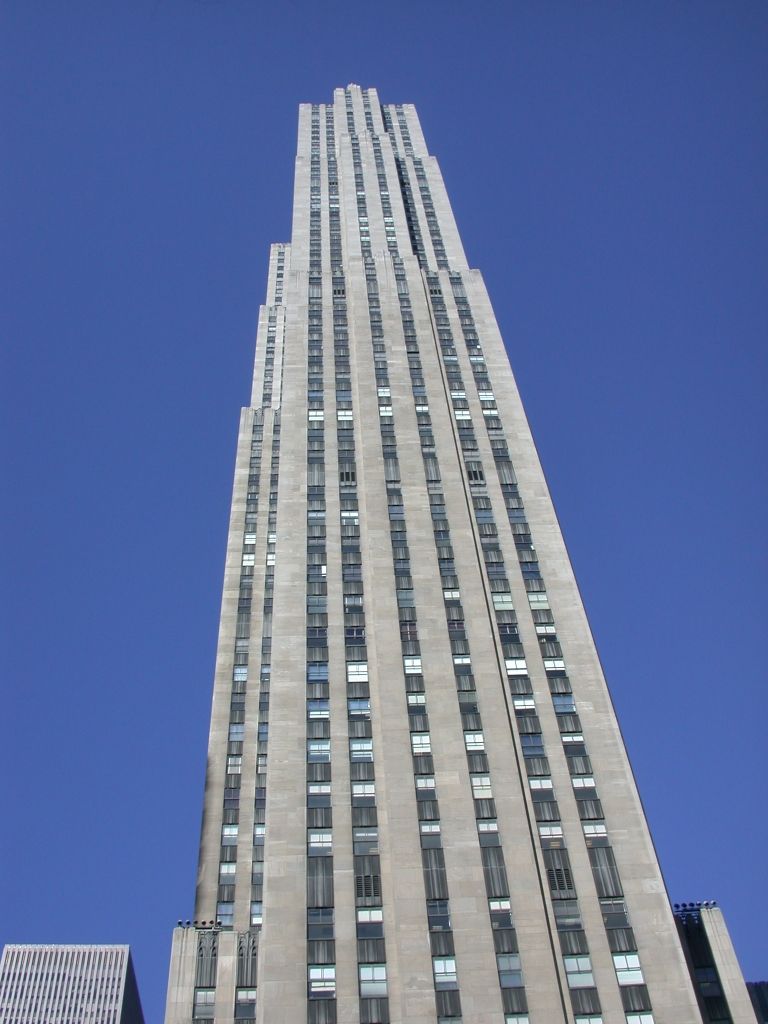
column 608, row 165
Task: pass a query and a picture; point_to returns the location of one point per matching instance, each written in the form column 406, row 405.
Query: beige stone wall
column 282, row 949
column 727, row 964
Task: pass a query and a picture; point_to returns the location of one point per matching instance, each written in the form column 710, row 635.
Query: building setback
column 68, row 985
column 418, row 807
column 758, row 993
column 723, row 995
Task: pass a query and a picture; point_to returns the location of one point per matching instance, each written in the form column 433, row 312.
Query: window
column 474, row 741
column 438, row 915
column 321, row 981
column 421, row 743
column 229, row 835
column 365, row 841
column 429, row 828
column 596, row 828
column 578, row 970
column 412, row 666
column 551, row 663
column 614, row 913
column 373, row 980
column 370, row 923
column 640, row 1018
column 516, row 666
column 510, row 975
column 583, row 782
column 257, row 914
column 227, row 872
column 444, row 971
column 204, row 1002
column 550, row 831
column 318, row 750
column 357, row 672
column 359, row 707
column 225, row 914
column 628, row 970
column 364, row 792
column 567, row 915
column 532, row 744
column 481, row 787
column 319, row 842
column 236, row 733
column 320, row 923
column 571, row 737
column 244, row 996
column 543, row 782
column 425, row 782
column 501, row 914
column 564, row 703
column 361, row 750
column 317, row 672
column 317, row 709
column 319, row 794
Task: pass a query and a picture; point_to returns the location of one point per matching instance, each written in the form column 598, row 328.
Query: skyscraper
column 418, row 806
column 68, row 985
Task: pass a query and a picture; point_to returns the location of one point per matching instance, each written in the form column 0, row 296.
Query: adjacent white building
column 68, row 985
column 418, row 806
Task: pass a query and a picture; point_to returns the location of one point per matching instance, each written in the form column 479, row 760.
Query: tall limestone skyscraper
column 418, row 807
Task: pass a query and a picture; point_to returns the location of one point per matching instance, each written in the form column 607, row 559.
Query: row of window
column 205, row 991
column 372, row 975
column 370, row 926
column 321, row 971
column 606, row 876
column 477, row 760
column 443, row 966
column 558, row 872
column 279, row 275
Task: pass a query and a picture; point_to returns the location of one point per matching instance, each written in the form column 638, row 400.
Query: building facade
column 717, row 979
column 418, row 806
column 68, row 985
